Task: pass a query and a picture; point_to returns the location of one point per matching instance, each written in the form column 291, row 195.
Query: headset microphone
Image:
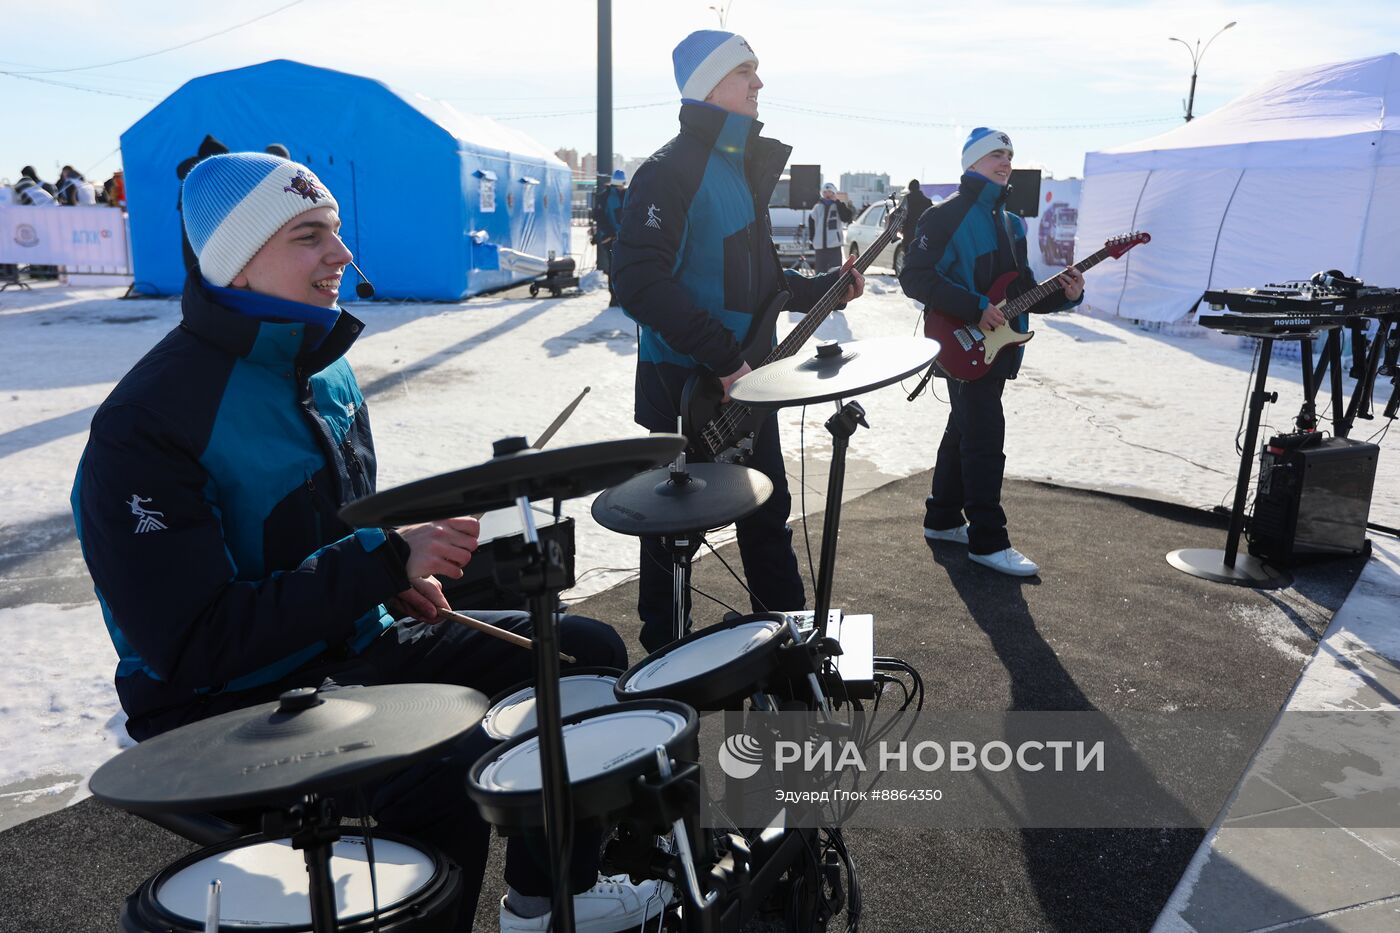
column 364, row 290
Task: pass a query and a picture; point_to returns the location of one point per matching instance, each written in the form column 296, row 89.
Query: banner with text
column 64, row 236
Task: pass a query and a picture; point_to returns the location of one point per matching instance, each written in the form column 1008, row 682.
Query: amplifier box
column 1313, row 498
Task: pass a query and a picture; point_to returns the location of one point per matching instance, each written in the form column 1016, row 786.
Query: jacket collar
column 987, row 193
column 738, row 136
column 263, row 342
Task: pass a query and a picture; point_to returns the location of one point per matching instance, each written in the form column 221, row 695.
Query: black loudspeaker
column 1024, row 198
column 805, row 188
column 1313, row 498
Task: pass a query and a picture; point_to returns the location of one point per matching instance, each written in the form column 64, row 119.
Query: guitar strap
column 1011, row 243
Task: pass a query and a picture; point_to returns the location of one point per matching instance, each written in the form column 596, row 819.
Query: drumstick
column 496, row 631
column 558, row 423
column 553, row 428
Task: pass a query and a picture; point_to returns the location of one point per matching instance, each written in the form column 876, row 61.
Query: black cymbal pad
column 274, row 753
column 834, row 371
column 560, row 473
column 707, row 495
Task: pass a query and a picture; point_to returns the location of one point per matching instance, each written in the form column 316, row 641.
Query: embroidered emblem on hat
column 653, row 217
column 1004, row 138
column 746, row 45
column 146, row 519
column 308, row 186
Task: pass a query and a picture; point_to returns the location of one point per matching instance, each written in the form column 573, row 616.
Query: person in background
column 209, row 146
column 915, row 202
column 32, row 190
column 116, row 190
column 74, row 189
column 826, row 229
column 607, row 220
column 961, row 246
column 278, row 150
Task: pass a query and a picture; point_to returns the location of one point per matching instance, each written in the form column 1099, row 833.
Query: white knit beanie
column 234, row 203
column 704, row 57
column 981, row 141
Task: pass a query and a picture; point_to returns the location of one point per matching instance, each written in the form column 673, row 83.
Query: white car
column 867, row 227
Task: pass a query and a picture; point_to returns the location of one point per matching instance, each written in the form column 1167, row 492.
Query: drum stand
column 537, row 568
column 313, row 827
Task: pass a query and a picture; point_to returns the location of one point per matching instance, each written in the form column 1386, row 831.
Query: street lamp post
column 1197, row 53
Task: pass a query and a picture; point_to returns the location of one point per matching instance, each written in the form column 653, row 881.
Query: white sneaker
column 957, row 535
column 613, row 904
column 1009, row 561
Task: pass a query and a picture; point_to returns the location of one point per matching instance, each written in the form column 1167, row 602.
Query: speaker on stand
column 1024, row 197
column 805, row 186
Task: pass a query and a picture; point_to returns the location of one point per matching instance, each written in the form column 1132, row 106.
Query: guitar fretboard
column 1023, row 303
column 717, row 434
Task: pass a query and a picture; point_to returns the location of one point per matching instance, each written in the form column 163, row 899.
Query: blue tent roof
column 426, row 192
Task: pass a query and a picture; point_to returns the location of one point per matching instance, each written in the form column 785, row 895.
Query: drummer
column 206, row 504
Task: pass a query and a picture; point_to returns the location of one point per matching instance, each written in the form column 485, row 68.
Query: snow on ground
column 1100, row 404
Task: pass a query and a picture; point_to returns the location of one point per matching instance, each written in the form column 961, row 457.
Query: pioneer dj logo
column 740, row 756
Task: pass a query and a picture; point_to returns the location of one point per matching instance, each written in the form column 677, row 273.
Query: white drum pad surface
column 592, row 746
column 266, row 883
column 699, row 657
column 515, row 715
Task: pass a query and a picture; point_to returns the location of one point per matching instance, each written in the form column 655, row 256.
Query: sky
column 884, row 85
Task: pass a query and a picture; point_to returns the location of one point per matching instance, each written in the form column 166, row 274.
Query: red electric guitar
column 968, row 352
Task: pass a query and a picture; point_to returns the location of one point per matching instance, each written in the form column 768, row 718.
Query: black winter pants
column 967, row 477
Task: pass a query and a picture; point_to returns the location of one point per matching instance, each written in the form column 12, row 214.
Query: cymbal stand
column 313, row 827
column 841, row 426
column 683, row 548
column 537, row 568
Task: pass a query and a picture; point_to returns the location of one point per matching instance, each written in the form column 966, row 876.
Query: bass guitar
column 725, row 431
column 968, row 352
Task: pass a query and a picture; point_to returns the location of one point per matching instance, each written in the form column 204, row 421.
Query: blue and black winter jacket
column 206, row 503
column 694, row 262
column 959, row 249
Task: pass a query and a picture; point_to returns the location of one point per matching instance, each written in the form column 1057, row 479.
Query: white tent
column 1297, row 176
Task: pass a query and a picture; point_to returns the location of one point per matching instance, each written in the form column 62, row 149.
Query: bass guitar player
column 695, row 268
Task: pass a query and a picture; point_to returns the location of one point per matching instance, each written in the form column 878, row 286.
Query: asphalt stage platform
column 1108, row 625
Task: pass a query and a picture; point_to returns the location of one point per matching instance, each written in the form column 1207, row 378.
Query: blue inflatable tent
column 427, row 194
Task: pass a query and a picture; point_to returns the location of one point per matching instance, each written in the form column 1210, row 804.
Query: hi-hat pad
column 516, row 470
column 834, row 371
column 274, row 753
column 702, row 497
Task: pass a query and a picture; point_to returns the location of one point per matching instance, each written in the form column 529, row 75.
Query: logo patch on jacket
column 923, row 242
column 146, row 519
column 308, row 186
column 653, row 217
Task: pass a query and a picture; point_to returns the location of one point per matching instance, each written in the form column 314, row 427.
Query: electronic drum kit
column 591, row 748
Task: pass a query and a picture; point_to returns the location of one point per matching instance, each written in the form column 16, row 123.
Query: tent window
column 487, row 188
column 527, row 194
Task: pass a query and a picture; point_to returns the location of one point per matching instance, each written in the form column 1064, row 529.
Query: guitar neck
column 1023, row 303
column 828, row 302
